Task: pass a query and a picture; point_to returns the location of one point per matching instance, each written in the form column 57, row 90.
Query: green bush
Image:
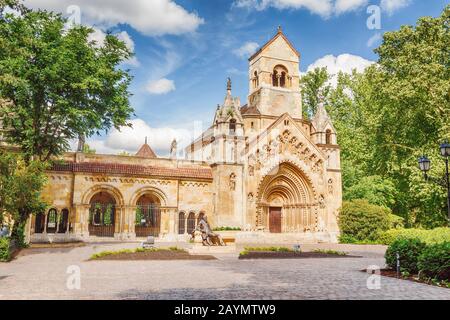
column 227, row 229
column 437, row 235
column 409, row 251
column 434, row 261
column 5, row 254
column 396, row 222
column 361, row 221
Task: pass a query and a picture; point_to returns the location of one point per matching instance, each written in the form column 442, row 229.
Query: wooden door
column 275, row 219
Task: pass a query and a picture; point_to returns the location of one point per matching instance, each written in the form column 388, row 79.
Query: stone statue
column 232, row 182
column 173, row 149
column 208, row 236
column 81, row 142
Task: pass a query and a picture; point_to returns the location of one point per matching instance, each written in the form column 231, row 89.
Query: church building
column 260, row 167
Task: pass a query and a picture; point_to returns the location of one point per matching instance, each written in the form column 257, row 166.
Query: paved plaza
column 42, row 274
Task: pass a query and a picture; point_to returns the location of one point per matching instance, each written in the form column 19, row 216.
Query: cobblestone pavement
column 42, row 274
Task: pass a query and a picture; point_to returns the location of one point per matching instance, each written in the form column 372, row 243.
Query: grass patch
column 338, row 253
column 129, row 251
column 264, row 249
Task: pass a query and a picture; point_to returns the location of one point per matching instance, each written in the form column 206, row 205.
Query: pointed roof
column 278, row 34
column 321, row 119
column 230, row 108
column 146, row 151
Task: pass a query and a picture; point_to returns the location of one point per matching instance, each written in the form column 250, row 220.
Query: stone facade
column 260, row 167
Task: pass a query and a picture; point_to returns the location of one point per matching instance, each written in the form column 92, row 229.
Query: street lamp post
column 425, row 165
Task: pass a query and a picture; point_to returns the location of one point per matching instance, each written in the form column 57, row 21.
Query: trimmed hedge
column 360, row 221
column 409, row 251
column 434, row 262
column 437, row 235
column 5, row 253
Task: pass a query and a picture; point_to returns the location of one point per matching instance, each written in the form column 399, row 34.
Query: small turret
column 324, row 129
column 228, row 119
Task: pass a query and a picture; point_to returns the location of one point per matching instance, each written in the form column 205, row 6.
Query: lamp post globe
column 445, row 149
column 424, row 164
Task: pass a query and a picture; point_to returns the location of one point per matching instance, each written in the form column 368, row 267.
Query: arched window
column 283, row 79
column 232, row 127
column 255, row 79
column 275, row 78
column 52, row 220
column 191, row 223
column 63, row 221
column 328, row 137
column 181, row 223
column 39, row 223
column 279, row 76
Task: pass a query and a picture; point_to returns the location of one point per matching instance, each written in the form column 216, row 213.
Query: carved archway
column 286, row 197
column 113, row 191
column 156, row 193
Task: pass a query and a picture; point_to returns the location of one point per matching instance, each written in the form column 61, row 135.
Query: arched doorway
column 102, row 215
column 286, row 201
column 148, row 216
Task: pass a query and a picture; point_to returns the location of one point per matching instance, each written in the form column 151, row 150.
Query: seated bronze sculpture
column 209, row 238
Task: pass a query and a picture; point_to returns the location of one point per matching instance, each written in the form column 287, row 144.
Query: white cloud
column 246, row 50
column 390, row 6
column 374, row 39
column 153, row 18
column 99, row 37
column 343, row 63
column 131, row 139
column 161, row 86
column 342, row 6
column 324, row 8
column 321, row 7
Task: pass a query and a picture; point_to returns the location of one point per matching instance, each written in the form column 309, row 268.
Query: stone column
column 131, row 221
column 81, row 221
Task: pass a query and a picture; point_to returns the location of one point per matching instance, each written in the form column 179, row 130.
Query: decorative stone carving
column 322, row 201
column 232, row 182
column 251, row 171
column 250, row 197
column 330, row 186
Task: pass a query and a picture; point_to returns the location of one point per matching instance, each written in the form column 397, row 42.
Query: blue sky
column 185, row 50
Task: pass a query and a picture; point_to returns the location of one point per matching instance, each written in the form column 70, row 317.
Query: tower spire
column 229, row 85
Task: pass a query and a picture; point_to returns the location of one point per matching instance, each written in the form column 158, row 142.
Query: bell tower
column 275, row 78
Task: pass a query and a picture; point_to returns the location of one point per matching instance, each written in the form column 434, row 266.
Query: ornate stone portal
column 260, row 167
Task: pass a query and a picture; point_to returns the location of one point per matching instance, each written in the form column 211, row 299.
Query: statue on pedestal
column 209, row 238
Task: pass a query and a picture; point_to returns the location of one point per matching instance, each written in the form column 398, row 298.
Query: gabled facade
column 276, row 173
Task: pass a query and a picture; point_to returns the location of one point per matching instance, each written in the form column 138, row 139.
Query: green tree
column 375, row 189
column 56, row 84
column 87, row 149
column 313, row 85
column 393, row 112
column 20, row 187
